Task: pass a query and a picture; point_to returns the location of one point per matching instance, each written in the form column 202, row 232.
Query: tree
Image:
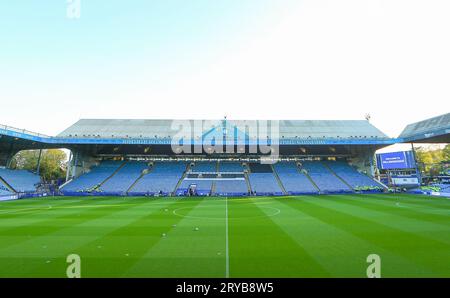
column 446, row 152
column 432, row 159
column 53, row 162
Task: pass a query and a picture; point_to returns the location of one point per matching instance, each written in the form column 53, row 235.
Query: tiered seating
column 445, row 187
column 231, row 187
column 440, row 187
column 4, row 191
column 96, row 176
column 324, row 178
column 125, row 177
column 293, row 180
column 203, row 186
column 204, row 167
column 163, row 178
column 351, row 175
column 262, row 180
column 225, row 167
column 21, row 180
column 264, row 184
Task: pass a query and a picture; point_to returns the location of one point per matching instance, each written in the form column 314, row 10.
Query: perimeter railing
column 24, row 131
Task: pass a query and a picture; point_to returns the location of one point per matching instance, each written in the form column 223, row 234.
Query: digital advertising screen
column 396, row 160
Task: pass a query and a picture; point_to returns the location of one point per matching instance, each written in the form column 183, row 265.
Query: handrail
column 24, row 131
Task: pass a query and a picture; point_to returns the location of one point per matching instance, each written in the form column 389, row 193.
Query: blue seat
column 4, row 191
column 21, row 180
column 351, row 175
column 294, row 181
column 204, row 167
column 225, row 167
column 324, row 178
column 203, row 186
column 264, row 184
column 97, row 175
column 162, row 178
column 232, row 187
column 125, row 177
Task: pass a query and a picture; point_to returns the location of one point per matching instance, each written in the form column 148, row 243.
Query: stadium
column 224, row 198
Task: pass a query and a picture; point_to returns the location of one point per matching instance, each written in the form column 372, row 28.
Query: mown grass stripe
column 312, row 236
column 103, row 248
column 184, row 252
column 420, row 200
column 364, row 226
column 20, row 238
column 61, row 212
column 396, row 208
column 76, row 234
column 259, row 247
column 392, row 219
column 341, row 253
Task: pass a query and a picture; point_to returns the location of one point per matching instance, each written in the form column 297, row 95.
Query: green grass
column 305, row 236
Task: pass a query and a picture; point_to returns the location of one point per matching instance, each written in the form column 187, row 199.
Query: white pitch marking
column 276, row 212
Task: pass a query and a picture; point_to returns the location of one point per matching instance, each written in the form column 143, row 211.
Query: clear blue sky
column 273, row 59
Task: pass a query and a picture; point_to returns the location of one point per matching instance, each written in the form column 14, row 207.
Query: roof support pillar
column 419, row 175
column 74, row 166
column 69, row 166
column 373, row 164
column 38, row 167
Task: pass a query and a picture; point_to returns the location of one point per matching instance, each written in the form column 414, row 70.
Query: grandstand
column 326, row 180
column 4, row 191
column 20, row 181
column 161, row 178
column 94, row 177
column 349, row 175
column 137, row 157
column 219, row 178
column 125, row 177
column 294, row 180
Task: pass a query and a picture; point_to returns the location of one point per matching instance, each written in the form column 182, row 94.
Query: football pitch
column 303, row 236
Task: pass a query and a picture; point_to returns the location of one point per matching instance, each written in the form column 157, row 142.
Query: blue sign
column 396, row 160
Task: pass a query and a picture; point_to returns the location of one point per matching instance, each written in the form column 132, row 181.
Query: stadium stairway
column 305, row 172
column 7, row 185
column 65, row 183
column 98, row 187
column 144, row 172
column 337, row 176
column 188, row 167
column 292, row 179
column 247, row 180
column 384, row 186
column 213, row 186
column 162, row 179
column 324, row 178
column 279, row 180
column 355, row 179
